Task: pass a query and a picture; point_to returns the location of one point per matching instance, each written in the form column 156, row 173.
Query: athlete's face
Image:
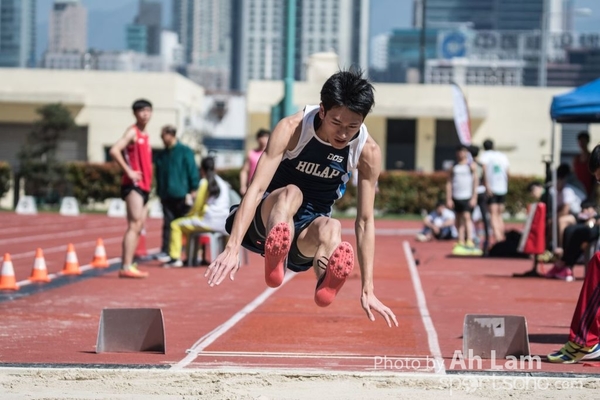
column 339, row 126
column 143, row 115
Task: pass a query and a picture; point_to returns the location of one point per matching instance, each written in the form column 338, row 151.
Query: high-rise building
column 17, row 33
column 144, row 34
column 259, row 48
column 204, row 28
column 379, row 51
column 67, row 27
column 483, row 14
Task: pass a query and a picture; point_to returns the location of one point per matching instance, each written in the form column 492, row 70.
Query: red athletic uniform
column 585, row 326
column 138, row 155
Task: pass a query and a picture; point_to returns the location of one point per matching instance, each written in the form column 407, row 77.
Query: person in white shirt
column 568, row 200
column 496, row 173
column 439, row 224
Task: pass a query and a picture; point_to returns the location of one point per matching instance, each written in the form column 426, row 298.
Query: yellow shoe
column 132, row 272
column 571, row 353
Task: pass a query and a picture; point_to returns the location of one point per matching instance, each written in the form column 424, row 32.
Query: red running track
column 242, row 323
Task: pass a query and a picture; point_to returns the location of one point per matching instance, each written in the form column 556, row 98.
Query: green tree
column 39, row 165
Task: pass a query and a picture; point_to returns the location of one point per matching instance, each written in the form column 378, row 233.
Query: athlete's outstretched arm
column 369, row 167
column 280, row 140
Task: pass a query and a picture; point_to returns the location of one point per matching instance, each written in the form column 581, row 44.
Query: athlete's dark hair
column 488, row 145
column 348, row 89
column 140, row 103
column 208, row 166
column 594, row 162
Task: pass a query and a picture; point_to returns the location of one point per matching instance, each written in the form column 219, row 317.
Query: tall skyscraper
column 482, row 14
column 144, row 34
column 67, row 27
column 17, row 33
column 340, row 26
column 204, row 30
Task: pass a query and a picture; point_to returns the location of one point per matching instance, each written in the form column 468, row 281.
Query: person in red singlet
column 134, row 154
column 580, row 164
column 262, row 137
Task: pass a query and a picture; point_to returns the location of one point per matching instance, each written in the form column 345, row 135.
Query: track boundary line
column 220, row 330
column 432, row 337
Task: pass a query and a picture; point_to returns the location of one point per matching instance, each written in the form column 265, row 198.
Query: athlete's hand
column 135, row 176
column 228, row 262
column 472, row 203
column 371, row 303
column 450, row 204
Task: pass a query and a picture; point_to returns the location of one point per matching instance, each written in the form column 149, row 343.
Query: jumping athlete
column 286, row 212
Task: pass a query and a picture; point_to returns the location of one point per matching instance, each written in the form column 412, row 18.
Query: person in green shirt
column 177, row 180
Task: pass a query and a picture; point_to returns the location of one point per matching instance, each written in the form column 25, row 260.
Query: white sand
column 132, row 384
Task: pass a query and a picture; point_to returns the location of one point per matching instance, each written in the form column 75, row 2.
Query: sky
column 107, row 19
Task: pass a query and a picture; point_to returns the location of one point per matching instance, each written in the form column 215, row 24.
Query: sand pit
column 138, row 384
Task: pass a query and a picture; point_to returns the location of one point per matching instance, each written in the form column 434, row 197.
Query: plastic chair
column 215, row 241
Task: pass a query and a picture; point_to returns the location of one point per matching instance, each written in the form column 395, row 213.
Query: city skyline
column 386, row 15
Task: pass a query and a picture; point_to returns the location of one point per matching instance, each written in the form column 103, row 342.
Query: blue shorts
column 254, row 239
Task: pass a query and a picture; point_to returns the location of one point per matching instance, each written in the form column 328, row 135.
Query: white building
column 339, row 26
column 379, row 51
column 100, row 102
column 128, row 61
column 171, row 50
column 67, row 27
column 73, row 60
column 204, row 29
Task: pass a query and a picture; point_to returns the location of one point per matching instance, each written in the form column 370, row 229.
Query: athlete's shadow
column 549, row 338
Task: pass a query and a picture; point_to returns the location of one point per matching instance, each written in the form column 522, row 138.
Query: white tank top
column 462, row 182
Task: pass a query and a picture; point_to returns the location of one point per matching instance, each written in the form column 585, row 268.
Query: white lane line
column 63, row 248
column 210, row 337
column 57, row 235
column 432, row 337
column 385, row 231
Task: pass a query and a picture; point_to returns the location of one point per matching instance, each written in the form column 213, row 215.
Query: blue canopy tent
column 581, row 105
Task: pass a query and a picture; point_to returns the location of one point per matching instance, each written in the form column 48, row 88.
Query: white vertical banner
column 462, row 120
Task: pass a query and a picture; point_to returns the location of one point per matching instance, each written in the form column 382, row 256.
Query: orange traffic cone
column 39, row 273
column 71, row 262
column 7, row 276
column 99, row 260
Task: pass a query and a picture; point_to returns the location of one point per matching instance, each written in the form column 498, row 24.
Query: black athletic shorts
column 126, row 189
column 255, row 237
column 497, row 199
column 461, row 206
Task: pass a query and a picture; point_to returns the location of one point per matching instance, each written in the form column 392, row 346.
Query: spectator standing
column 247, row 172
column 461, row 195
column 580, row 165
column 481, row 198
column 134, row 155
column 496, row 167
column 176, row 183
